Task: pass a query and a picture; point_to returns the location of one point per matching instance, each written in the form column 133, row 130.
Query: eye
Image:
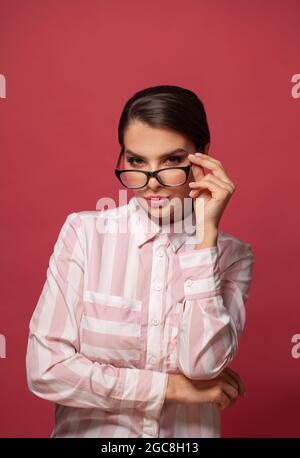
column 134, row 160
column 138, row 161
column 175, row 159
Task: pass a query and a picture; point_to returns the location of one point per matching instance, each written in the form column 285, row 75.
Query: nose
column 153, row 183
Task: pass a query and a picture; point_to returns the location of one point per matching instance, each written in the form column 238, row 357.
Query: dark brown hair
column 171, row 107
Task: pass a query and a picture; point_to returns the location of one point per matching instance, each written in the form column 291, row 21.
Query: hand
column 216, row 188
column 223, row 389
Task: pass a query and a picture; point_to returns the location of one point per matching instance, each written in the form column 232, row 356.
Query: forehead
column 144, row 139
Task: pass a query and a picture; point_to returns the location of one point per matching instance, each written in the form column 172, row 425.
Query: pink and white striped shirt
column 120, row 310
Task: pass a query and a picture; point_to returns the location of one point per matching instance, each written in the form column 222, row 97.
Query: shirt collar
column 145, row 229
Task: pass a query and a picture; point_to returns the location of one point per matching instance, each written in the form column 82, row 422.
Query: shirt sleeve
column 213, row 315
column 56, row 370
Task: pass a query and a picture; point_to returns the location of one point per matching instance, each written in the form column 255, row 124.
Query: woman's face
column 149, row 145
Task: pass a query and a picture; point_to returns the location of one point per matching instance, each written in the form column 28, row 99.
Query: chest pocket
column 110, row 329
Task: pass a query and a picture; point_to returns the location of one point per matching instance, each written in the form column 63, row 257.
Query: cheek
column 182, row 192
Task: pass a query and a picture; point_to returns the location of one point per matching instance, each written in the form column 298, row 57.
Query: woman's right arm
column 56, row 370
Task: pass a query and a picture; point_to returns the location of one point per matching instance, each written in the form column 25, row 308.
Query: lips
column 157, row 201
column 156, row 197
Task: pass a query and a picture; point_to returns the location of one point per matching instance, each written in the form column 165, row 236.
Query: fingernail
column 198, row 154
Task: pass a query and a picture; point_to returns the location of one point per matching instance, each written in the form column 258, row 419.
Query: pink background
column 70, row 66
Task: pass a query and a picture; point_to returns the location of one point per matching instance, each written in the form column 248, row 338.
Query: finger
column 208, row 157
column 215, row 179
column 223, row 401
column 217, row 191
column 214, row 165
column 196, row 193
column 242, row 388
column 197, row 172
column 197, row 169
column 229, row 390
column 230, row 403
column 230, row 379
column 238, row 380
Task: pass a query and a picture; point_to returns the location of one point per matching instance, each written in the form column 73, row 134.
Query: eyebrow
column 177, row 150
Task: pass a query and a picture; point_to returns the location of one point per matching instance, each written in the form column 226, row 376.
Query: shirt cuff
column 142, row 389
column 157, row 395
column 201, row 273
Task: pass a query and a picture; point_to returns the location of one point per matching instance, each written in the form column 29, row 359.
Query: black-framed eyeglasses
column 169, row 177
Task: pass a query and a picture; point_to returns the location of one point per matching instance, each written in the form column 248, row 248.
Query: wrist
column 208, row 237
column 170, row 392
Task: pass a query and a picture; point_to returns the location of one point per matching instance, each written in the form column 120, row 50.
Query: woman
column 138, row 321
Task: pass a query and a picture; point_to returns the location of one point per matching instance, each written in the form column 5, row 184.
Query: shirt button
column 155, row 322
column 152, row 359
column 160, row 254
column 189, row 283
column 151, row 431
column 157, row 287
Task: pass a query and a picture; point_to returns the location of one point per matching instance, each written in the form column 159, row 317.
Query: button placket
column 152, row 359
column 156, row 301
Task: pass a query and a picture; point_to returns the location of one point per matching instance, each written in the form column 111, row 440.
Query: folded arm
column 56, row 370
